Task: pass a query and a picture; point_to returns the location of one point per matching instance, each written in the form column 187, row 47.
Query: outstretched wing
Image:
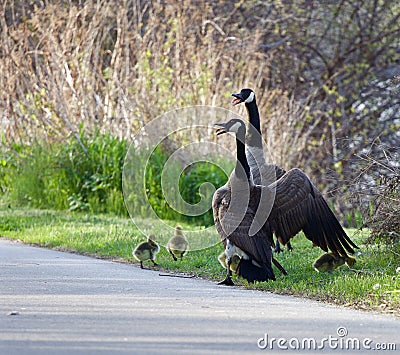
column 300, row 206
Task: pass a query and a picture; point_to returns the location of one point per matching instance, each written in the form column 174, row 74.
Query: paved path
column 59, row 303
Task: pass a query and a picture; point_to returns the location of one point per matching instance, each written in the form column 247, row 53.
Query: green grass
column 372, row 285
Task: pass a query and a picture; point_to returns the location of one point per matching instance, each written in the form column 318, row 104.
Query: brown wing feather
column 300, row 206
column 258, row 246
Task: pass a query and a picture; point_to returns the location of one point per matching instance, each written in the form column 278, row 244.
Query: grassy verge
column 373, row 283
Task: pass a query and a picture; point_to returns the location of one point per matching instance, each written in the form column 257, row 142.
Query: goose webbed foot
column 227, row 282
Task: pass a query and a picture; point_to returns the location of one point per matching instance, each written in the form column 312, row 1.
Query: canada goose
column 328, row 262
column 178, row 245
column 234, row 206
column 263, row 173
column 298, row 204
column 146, row 250
column 295, row 204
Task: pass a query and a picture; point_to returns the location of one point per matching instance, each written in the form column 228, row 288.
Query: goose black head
column 234, row 125
column 245, row 95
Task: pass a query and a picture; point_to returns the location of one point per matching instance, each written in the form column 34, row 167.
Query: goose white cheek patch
column 250, row 98
column 235, row 127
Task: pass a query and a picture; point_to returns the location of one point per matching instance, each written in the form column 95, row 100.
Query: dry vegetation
column 377, row 190
column 324, row 72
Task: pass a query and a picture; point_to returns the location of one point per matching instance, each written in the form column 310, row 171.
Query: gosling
column 235, row 260
column 328, row 262
column 146, row 251
column 178, row 245
column 245, row 268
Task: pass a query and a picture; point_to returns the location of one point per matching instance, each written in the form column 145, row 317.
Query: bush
column 85, row 174
column 82, row 174
column 385, row 221
column 377, row 192
column 188, row 188
column 92, row 170
column 194, row 190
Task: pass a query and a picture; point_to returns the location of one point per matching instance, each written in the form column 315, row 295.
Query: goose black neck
column 254, row 133
column 254, row 115
column 242, row 169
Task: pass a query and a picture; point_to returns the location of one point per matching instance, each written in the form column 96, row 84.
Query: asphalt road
column 60, row 303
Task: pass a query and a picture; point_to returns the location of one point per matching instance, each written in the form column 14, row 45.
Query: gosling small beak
column 221, row 129
column 237, row 99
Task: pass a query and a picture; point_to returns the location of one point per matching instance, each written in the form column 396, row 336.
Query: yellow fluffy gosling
column 328, row 262
column 146, row 250
column 178, row 245
column 234, row 263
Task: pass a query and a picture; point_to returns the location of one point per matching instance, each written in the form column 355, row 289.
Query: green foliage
column 92, row 169
column 193, row 188
column 190, row 184
column 83, row 173
column 354, row 218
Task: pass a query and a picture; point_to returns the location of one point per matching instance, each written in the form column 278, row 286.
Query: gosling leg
column 228, row 279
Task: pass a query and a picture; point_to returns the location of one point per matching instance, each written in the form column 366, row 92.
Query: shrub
column 81, row 174
column 385, row 221
column 377, row 192
column 187, row 188
column 85, row 174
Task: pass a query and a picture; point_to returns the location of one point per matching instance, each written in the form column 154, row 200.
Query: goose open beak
column 221, row 129
column 237, row 99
